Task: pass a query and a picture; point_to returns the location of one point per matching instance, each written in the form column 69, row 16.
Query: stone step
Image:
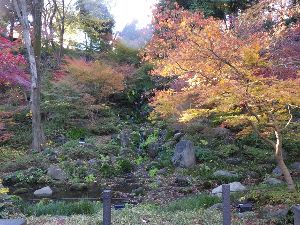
column 12, row 222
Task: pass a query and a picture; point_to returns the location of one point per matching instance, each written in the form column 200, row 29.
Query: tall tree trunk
column 51, row 26
column 11, row 21
column 61, row 33
column 39, row 136
column 37, row 131
column 277, row 146
column 279, row 158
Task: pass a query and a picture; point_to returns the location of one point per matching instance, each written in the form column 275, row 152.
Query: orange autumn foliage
column 224, row 74
column 97, row 78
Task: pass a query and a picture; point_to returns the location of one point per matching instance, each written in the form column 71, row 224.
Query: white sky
column 125, row 11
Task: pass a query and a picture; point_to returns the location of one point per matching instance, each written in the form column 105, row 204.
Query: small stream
column 93, row 192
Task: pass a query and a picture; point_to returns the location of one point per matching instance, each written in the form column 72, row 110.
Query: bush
column 124, row 166
column 123, row 54
column 273, row 195
column 73, row 150
column 228, row 150
column 76, row 133
column 205, row 155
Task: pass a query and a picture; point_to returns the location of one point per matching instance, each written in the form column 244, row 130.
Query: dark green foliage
column 124, row 166
column 73, row 150
column 76, row 133
column 216, row 8
column 228, row 150
column 123, row 54
column 273, row 195
column 105, row 126
column 205, row 155
column 60, row 208
column 75, row 172
column 106, row 170
column 97, row 23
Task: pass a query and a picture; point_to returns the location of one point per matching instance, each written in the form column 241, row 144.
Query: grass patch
column 274, row 195
column 61, row 208
column 192, row 203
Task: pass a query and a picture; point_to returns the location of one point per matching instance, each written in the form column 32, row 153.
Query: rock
column 12, row 222
column 159, row 183
column 138, row 191
column 125, row 136
column 224, row 173
column 218, row 206
column 182, row 181
column 56, row 173
column 162, row 171
column 246, row 215
column 272, row 212
column 252, row 174
column 79, row 162
column 60, row 139
column 78, row 187
column 93, row 162
column 184, row 155
column 233, row 161
column 234, row 187
column 178, row 136
column 296, row 166
column 43, row 192
column 272, row 181
column 277, row 172
column 21, row 191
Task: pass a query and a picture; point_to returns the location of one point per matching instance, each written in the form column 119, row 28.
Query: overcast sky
column 125, row 11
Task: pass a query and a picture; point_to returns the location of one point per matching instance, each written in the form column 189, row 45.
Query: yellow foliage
column 4, row 191
column 191, row 114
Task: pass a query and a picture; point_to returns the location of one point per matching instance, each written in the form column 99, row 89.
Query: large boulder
column 274, row 211
column 184, row 155
column 56, row 173
column 12, row 222
column 43, row 192
column 234, row 187
column 277, row 171
column 78, row 187
column 272, row 181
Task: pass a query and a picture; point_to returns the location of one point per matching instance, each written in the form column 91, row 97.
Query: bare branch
column 291, row 117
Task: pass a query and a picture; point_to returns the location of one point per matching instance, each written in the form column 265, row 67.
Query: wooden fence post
column 226, row 204
column 107, row 207
column 296, row 210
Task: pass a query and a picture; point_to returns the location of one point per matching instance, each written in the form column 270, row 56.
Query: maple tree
column 96, row 78
column 218, row 71
column 12, row 66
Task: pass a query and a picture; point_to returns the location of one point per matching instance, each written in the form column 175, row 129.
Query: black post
column 226, row 204
column 107, row 207
column 296, row 215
